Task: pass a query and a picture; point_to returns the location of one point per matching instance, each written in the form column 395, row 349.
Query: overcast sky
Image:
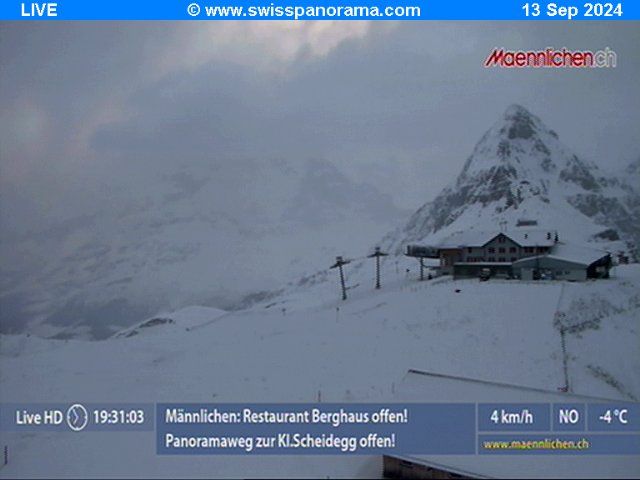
column 86, row 106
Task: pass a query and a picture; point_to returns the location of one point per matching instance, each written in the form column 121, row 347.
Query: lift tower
column 421, row 252
column 340, row 262
column 377, row 254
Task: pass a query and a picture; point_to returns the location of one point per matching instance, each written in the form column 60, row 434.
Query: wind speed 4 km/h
column 504, row 417
column 569, row 12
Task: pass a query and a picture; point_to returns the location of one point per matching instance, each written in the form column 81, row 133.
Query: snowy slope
column 184, row 319
column 348, row 351
column 169, row 239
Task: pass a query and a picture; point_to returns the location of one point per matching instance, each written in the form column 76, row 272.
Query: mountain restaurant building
column 526, row 254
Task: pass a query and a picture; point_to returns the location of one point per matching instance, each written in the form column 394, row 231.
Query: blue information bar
column 315, row 429
column 567, row 10
column 347, row 428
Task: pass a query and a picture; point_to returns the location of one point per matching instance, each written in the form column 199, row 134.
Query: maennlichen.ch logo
column 551, row 58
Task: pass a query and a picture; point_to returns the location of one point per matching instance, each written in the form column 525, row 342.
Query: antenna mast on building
column 377, row 254
column 340, row 262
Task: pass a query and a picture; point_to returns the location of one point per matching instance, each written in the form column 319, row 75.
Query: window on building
column 502, row 259
column 469, row 249
column 501, row 250
column 492, row 259
column 512, row 250
column 492, row 250
column 513, row 259
column 528, row 249
column 501, row 239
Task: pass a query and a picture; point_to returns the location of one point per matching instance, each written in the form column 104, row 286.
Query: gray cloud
column 410, row 99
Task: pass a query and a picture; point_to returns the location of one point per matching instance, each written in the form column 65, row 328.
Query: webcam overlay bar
column 567, row 10
column 355, row 429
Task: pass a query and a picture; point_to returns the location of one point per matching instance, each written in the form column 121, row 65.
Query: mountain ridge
column 521, row 170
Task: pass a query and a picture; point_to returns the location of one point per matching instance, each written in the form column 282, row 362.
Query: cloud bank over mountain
column 137, row 159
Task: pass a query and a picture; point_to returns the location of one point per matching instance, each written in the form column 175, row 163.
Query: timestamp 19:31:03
column 118, row 416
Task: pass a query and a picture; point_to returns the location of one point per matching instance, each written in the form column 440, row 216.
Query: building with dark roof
column 524, row 254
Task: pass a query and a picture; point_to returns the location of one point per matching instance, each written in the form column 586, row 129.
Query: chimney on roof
column 526, row 235
column 556, row 239
column 548, row 235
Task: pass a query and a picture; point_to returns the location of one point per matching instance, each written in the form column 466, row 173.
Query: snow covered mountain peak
column 521, row 173
column 517, row 145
